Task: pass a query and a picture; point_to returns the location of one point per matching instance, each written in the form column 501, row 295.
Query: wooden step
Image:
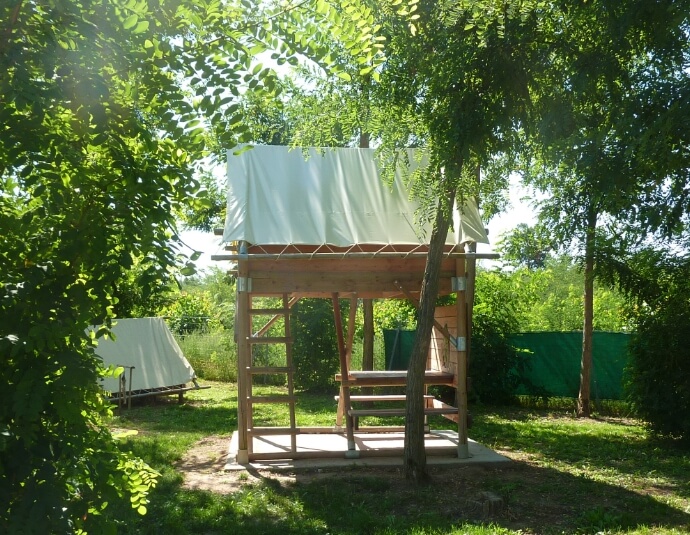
column 271, row 399
column 269, row 311
column 257, row 370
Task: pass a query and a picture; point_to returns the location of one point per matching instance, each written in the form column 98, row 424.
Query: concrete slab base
column 325, row 450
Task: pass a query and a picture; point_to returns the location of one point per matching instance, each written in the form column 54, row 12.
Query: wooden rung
column 269, row 311
column 271, row 399
column 269, row 340
column 398, row 412
column 256, row 370
column 266, row 431
column 386, row 397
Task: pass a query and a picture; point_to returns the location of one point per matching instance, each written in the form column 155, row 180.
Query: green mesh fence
column 555, row 362
column 398, row 345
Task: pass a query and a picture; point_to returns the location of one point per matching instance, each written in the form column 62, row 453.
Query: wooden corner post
column 243, row 328
column 462, row 337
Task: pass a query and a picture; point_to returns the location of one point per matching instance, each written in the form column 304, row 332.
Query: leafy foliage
column 394, row 314
column 658, row 381
column 496, row 368
column 192, row 312
column 315, row 346
column 99, row 138
column 553, row 301
column 525, row 246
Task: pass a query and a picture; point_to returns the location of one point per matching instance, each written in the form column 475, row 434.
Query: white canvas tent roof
column 149, row 346
column 335, row 197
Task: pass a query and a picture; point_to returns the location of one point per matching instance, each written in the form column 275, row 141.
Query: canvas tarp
column 149, row 346
column 337, row 197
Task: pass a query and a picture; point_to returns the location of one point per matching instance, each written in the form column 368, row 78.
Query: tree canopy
column 103, row 112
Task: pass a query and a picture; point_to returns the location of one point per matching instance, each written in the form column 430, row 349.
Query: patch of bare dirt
column 203, row 468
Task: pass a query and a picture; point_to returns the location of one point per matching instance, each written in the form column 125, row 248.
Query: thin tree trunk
column 414, row 452
column 584, row 397
column 367, row 304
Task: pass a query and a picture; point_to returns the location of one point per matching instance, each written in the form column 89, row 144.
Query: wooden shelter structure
column 327, row 226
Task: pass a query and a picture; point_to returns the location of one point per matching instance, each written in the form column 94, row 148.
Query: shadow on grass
column 192, row 416
column 623, row 452
column 362, row 500
column 574, row 489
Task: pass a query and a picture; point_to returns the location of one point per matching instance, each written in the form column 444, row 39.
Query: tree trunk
column 414, row 452
column 584, row 397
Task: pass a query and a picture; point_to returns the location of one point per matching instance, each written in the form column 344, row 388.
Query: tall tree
column 591, row 98
column 458, row 80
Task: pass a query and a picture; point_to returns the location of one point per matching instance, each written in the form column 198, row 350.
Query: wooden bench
column 380, row 397
column 393, row 378
column 433, row 406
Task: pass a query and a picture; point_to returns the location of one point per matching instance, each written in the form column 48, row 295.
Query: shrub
column 658, row 382
column 192, row 312
column 315, row 346
column 496, row 367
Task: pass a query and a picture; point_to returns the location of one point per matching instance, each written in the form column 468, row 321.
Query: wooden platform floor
column 330, row 449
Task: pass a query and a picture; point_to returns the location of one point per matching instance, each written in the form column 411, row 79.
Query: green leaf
column 141, row 27
column 344, row 76
column 130, row 22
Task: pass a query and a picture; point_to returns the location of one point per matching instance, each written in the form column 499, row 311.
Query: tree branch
column 10, row 26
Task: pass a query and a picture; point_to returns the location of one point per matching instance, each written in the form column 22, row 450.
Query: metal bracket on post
column 459, row 343
column 244, row 284
column 458, row 284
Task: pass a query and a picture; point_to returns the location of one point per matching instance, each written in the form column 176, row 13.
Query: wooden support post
column 345, row 372
column 243, row 331
column 368, row 342
column 348, row 354
column 471, row 268
column 461, row 389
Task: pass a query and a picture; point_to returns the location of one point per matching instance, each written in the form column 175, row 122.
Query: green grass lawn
column 568, row 476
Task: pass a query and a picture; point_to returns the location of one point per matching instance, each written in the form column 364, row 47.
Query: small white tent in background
column 153, row 361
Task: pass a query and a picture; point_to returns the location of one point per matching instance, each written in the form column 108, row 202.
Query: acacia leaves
column 104, row 112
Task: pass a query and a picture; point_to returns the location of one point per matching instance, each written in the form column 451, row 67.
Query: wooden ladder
column 253, row 370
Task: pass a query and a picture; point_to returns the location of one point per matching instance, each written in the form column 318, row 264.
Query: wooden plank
column 360, row 283
column 400, row 412
column 392, row 378
column 345, row 265
column 393, row 293
column 382, row 397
